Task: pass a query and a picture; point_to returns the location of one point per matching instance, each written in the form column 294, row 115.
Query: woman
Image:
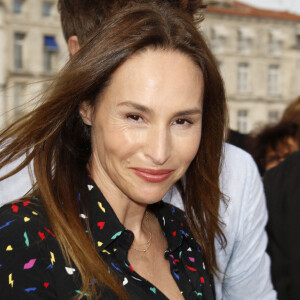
column 120, row 125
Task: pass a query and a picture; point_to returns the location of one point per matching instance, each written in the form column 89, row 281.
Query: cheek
column 117, row 142
column 187, row 148
column 193, row 149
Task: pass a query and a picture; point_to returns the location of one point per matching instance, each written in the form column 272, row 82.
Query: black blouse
column 32, row 265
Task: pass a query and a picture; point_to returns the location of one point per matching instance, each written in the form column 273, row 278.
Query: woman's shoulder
column 23, row 221
column 30, row 257
column 26, row 209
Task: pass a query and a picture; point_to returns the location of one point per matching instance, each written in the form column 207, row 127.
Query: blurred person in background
column 238, row 139
column 292, row 113
column 273, row 143
column 243, row 264
column 282, row 187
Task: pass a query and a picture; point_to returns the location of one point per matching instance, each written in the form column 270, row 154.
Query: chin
column 149, row 196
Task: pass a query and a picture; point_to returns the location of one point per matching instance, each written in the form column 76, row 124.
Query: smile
column 152, row 175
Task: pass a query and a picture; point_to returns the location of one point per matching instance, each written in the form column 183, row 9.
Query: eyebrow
column 136, row 106
column 145, row 109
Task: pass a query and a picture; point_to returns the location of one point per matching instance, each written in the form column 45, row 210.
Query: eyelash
column 136, row 117
column 133, row 117
column 184, row 122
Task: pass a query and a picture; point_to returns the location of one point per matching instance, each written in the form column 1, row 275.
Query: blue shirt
column 244, row 264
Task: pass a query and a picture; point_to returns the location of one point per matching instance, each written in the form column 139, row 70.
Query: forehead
column 153, row 76
column 157, row 61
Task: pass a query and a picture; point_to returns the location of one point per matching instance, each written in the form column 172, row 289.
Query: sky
column 292, row 6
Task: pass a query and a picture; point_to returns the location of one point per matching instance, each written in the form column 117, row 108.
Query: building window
column 276, row 43
column 47, row 8
column 297, row 36
column 243, row 80
column 274, row 80
column 17, row 6
column 242, row 120
column 218, row 43
column 245, row 40
column 273, row 116
column 19, row 39
column 218, row 38
column 18, row 98
column 50, row 51
column 220, row 65
column 297, row 40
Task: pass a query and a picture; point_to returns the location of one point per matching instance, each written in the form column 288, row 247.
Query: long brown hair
column 58, row 142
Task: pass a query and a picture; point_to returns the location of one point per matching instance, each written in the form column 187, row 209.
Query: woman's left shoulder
column 24, row 213
column 31, row 262
column 23, row 223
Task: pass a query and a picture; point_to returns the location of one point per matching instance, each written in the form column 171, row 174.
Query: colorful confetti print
column 45, row 274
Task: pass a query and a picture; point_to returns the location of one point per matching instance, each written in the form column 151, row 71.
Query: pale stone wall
column 258, row 101
column 32, row 76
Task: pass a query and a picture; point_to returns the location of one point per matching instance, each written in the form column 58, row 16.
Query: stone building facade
column 32, row 50
column 258, row 52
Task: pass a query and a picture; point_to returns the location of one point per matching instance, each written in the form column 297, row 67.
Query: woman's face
column 146, row 127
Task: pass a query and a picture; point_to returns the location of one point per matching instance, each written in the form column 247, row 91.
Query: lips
column 151, row 175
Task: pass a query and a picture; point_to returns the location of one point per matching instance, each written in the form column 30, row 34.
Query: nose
column 158, row 145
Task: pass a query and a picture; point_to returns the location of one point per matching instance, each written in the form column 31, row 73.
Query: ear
column 86, row 113
column 73, row 44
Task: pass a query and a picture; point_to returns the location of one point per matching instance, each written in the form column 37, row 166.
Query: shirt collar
column 104, row 224
column 173, row 223
column 106, row 228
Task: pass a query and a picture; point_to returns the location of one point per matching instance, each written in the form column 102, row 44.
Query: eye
column 182, row 122
column 134, row 117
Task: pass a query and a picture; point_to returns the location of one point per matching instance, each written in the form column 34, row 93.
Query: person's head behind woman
column 61, row 142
